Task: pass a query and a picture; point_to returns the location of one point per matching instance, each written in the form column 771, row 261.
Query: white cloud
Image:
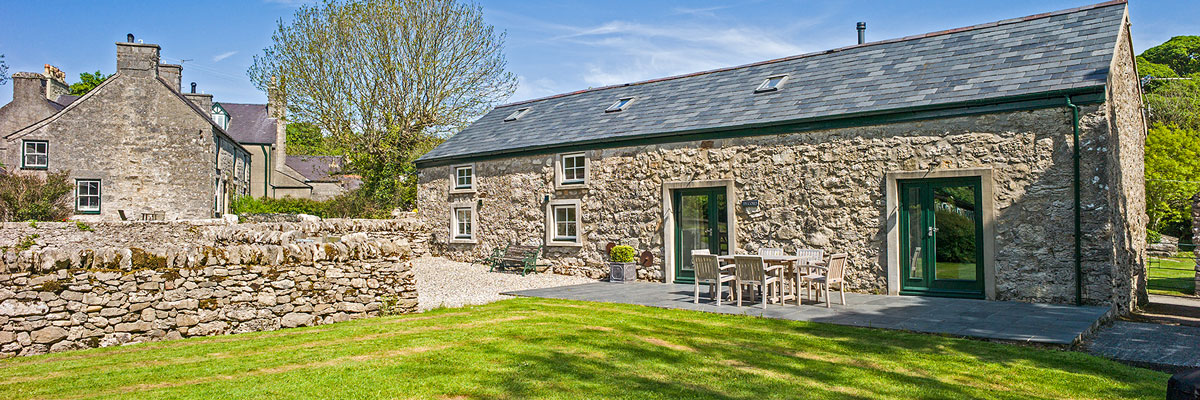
column 223, row 56
column 533, row 88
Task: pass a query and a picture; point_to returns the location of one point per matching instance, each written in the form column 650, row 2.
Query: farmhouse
column 998, row 161
column 136, row 147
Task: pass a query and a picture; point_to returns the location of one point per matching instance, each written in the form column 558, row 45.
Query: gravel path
column 442, row 282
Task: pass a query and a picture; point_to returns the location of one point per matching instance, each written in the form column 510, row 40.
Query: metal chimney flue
column 862, row 32
column 129, row 38
column 193, row 87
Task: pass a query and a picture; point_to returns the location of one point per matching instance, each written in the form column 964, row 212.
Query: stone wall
column 822, row 189
column 246, row 278
column 1196, row 237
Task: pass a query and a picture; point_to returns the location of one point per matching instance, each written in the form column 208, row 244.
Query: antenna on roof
column 862, row 32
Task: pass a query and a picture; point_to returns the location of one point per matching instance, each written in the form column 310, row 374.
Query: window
column 517, row 114
column 772, row 83
column 462, row 223
column 620, row 105
column 464, row 177
column 574, row 168
column 563, row 223
column 87, row 196
column 34, row 154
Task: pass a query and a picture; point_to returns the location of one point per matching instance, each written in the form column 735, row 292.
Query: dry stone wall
column 245, row 278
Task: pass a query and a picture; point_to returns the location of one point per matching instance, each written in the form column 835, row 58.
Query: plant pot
column 622, row 272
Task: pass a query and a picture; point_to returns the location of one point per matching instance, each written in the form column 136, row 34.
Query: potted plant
column 621, row 267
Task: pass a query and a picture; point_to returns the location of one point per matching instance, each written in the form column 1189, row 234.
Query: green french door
column 942, row 237
column 701, row 222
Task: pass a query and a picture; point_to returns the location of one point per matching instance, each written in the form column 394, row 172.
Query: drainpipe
column 1078, row 211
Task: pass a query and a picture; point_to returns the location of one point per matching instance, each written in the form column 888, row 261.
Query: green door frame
column 714, row 213
column 928, row 284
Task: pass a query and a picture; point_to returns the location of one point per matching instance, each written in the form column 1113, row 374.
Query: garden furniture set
column 775, row 274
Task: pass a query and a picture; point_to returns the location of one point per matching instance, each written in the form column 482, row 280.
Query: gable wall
column 822, row 189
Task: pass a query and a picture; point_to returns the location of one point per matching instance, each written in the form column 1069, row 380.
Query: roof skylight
column 772, row 83
column 620, row 105
column 517, row 114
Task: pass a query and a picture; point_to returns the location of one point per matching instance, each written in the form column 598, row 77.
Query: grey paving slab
column 981, row 319
column 1152, row 345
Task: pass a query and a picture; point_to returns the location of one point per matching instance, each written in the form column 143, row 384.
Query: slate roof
column 1052, row 52
column 250, row 123
column 66, row 99
column 316, row 168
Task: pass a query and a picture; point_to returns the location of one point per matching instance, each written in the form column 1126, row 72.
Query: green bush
column 31, row 198
column 349, row 205
column 1153, row 236
column 621, row 254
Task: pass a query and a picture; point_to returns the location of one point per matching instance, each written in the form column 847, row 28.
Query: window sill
column 562, row 243
column 463, row 190
column 571, row 186
column 463, row 241
column 77, row 212
column 34, row 168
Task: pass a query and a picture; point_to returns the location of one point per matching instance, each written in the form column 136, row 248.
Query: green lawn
column 1174, row 276
column 533, row 348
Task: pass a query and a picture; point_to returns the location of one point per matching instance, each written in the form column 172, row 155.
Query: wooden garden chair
column 834, row 275
column 751, row 271
column 708, row 272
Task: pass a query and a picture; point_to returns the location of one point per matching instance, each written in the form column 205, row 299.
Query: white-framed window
column 35, row 154
column 620, row 105
column 87, row 196
column 517, row 114
column 772, row 83
column 574, row 168
column 462, row 178
column 463, row 223
column 563, row 223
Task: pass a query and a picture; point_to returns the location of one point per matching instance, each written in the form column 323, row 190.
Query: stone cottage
column 136, row 146
column 998, row 161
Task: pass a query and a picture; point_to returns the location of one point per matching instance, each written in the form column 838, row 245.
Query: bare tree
column 3, row 71
column 388, row 79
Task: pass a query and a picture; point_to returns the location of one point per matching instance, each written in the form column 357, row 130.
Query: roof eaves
column 64, row 110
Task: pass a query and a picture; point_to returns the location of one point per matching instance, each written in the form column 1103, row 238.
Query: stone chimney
column 277, row 108
column 28, row 87
column 137, row 59
column 204, row 101
column 56, row 82
column 173, row 74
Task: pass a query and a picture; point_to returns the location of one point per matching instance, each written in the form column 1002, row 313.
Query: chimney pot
column 193, row 87
column 862, row 32
column 129, row 37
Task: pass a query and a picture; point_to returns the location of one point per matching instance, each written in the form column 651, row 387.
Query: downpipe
column 1078, row 212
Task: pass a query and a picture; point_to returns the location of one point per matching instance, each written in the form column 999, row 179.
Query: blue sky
column 552, row 46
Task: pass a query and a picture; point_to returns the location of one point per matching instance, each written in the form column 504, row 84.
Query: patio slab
column 981, row 319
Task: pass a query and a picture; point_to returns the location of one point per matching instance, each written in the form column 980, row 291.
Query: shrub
column 621, row 254
column 354, row 204
column 1152, row 236
column 28, row 197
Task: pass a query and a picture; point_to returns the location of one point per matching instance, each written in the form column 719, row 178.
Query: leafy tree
column 1175, row 102
column 305, row 139
column 1180, row 53
column 87, row 82
column 386, row 79
column 1172, row 177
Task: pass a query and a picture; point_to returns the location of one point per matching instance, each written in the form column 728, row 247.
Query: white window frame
column 560, row 179
column 517, row 114
column 552, row 238
column 25, row 154
column 79, row 209
column 783, row 78
column 473, row 223
column 618, row 106
column 454, row 188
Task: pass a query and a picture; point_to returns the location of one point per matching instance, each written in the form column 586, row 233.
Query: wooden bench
column 515, row 256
